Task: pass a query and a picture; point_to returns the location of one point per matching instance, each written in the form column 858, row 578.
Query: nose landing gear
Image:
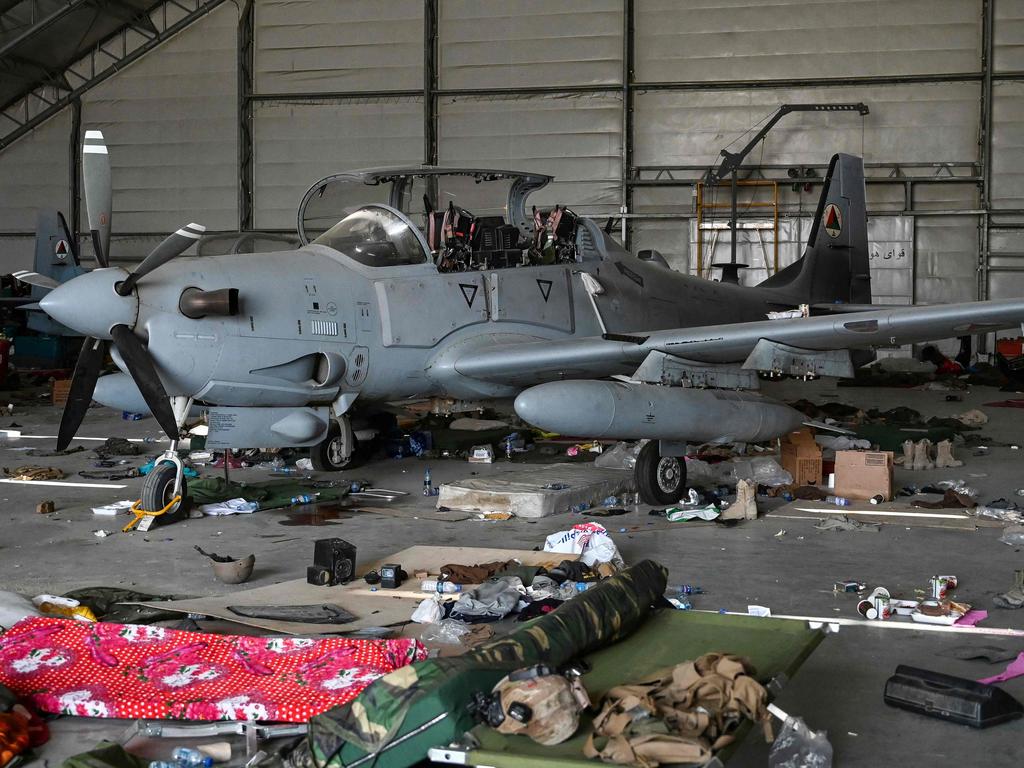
column 165, row 493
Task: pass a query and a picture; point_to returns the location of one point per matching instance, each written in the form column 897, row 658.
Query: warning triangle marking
column 468, row 292
column 545, row 288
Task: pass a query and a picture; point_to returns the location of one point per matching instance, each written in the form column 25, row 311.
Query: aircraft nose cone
column 90, row 305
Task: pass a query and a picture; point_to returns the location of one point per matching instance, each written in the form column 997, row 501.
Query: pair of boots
column 1014, row 598
column 917, row 456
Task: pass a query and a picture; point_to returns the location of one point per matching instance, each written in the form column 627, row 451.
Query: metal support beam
column 628, row 59
column 985, row 151
column 430, row 81
column 75, row 171
column 44, row 24
column 246, row 86
column 101, row 63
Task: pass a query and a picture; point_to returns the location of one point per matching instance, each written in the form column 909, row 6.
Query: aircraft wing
column 528, row 362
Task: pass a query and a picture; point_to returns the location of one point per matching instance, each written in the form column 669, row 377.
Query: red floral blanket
column 133, row 670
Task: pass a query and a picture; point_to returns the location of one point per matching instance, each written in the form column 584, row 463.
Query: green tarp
column 423, row 705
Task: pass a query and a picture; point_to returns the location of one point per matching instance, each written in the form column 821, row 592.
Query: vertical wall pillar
column 75, row 172
column 246, row 89
column 985, row 148
column 628, row 38
column 430, row 81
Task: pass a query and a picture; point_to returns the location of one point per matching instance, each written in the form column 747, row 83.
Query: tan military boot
column 1015, row 597
column 922, row 459
column 944, row 455
column 908, row 454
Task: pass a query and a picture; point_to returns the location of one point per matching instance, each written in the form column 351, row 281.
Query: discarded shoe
column 922, row 459
column 908, row 454
column 944, row 456
column 1013, row 598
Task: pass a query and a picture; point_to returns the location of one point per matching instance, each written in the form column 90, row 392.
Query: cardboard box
column 61, row 387
column 864, row 474
column 801, row 457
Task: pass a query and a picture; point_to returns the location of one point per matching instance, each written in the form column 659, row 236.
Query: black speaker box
column 334, row 562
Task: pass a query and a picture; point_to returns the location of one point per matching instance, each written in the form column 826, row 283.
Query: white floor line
column 880, row 512
column 61, row 483
column 6, row 435
column 892, row 624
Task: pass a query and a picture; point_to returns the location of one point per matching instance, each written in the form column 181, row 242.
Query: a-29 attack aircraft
column 471, row 298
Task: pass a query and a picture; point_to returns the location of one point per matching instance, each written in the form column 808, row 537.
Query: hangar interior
column 227, row 113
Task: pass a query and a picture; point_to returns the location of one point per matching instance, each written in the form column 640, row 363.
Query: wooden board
column 372, row 609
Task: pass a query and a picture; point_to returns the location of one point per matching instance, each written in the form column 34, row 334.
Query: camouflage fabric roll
column 431, row 696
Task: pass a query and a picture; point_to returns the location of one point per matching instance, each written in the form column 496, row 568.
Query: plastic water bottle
column 686, row 589
column 163, row 764
column 305, row 498
column 440, row 587
column 839, row 501
column 191, row 758
column 428, row 485
column 287, row 471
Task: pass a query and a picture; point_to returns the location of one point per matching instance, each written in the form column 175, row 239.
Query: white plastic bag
column 621, row 456
column 447, row 632
column 588, row 540
column 14, row 608
column 762, row 470
column 427, row 612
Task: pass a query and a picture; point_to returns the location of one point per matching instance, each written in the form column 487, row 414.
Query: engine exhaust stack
column 196, row 303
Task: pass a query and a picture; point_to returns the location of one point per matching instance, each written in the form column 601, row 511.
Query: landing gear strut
column 336, row 451
column 659, row 479
column 166, row 481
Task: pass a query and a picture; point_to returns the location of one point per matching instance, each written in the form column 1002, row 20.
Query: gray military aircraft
column 427, row 283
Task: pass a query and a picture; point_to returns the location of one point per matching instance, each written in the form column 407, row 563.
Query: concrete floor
column 839, row 689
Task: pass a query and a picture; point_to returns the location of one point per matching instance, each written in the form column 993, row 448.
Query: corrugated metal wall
column 539, row 85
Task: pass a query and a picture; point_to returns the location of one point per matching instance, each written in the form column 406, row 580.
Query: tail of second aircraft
column 834, row 268
column 56, row 257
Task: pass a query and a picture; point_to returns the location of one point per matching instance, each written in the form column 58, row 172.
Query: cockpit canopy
column 377, row 237
column 417, row 192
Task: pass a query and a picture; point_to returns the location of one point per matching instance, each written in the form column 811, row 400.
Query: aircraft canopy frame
column 393, row 186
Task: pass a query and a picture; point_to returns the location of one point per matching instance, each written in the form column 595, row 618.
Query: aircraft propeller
column 136, row 357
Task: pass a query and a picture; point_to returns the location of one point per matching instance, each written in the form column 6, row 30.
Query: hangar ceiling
column 627, row 102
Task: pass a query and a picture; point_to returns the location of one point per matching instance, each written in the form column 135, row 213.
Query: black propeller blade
column 140, row 365
column 173, row 245
column 83, row 382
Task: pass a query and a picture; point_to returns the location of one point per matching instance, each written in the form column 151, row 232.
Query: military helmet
column 543, row 707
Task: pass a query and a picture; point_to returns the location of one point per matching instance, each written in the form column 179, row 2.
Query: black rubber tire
column 158, row 490
column 659, row 480
column 325, row 456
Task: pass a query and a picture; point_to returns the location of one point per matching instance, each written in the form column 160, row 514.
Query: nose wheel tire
column 158, row 491
column 327, row 455
column 659, row 479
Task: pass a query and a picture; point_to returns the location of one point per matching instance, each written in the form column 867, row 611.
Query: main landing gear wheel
column 327, row 455
column 158, row 492
column 659, row 479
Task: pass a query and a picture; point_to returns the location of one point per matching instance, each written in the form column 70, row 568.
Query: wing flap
column 523, row 363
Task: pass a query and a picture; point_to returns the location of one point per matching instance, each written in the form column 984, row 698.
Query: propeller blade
column 36, row 279
column 96, row 177
column 140, row 365
column 174, row 245
column 83, row 382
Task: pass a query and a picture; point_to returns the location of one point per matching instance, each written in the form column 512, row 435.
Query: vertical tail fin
column 56, row 256
column 834, row 267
